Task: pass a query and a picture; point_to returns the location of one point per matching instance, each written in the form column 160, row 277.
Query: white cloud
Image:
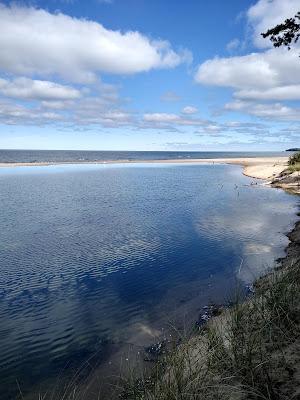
column 251, row 70
column 274, row 111
column 232, row 127
column 12, row 114
column 271, row 75
column 56, row 105
column 85, row 112
column 170, row 120
column 63, row 105
column 257, row 70
column 24, row 88
column 233, row 45
column 34, row 41
column 189, row 110
column 203, row 126
column 97, row 111
column 290, row 92
column 161, row 117
column 266, row 14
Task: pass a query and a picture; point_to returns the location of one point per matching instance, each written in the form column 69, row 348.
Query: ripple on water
column 93, row 256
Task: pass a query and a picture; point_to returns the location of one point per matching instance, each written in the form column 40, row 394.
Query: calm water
column 27, row 156
column 97, row 255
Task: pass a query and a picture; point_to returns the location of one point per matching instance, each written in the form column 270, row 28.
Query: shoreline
column 273, row 170
column 243, row 161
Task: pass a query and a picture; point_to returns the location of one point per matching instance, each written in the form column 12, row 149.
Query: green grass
column 294, row 167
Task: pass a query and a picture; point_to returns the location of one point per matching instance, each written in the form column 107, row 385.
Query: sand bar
column 259, row 167
column 267, row 168
column 265, row 162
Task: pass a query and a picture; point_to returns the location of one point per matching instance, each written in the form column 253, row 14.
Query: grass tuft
column 294, row 162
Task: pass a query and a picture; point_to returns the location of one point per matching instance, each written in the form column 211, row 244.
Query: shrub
column 294, row 159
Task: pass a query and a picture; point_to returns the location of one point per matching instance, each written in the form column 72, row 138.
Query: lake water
column 58, row 156
column 95, row 255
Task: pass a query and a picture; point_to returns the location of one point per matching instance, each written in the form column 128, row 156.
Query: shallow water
column 91, row 255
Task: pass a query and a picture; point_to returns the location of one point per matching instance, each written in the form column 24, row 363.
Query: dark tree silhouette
column 285, row 34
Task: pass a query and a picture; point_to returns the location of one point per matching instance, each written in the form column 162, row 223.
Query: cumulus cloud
column 266, row 14
column 189, row 110
column 34, row 41
column 24, row 88
column 273, row 68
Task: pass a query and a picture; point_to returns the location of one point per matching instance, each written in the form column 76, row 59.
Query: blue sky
column 147, row 75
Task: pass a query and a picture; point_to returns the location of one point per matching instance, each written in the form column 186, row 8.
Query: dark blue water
column 59, row 156
column 95, row 255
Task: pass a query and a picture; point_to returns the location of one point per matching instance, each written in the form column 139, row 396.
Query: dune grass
column 294, row 159
column 294, row 167
column 294, row 162
column 238, row 355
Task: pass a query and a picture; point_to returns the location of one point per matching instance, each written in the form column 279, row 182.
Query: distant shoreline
column 271, row 169
column 244, row 161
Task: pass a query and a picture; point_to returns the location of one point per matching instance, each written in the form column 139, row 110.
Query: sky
column 191, row 75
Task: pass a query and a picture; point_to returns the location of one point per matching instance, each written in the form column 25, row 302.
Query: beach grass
column 294, row 167
column 294, row 162
column 246, row 353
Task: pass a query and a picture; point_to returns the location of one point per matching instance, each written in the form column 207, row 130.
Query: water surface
column 92, row 255
column 59, row 156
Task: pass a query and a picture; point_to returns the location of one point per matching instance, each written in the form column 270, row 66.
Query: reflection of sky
column 60, row 168
column 256, row 228
column 100, row 252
